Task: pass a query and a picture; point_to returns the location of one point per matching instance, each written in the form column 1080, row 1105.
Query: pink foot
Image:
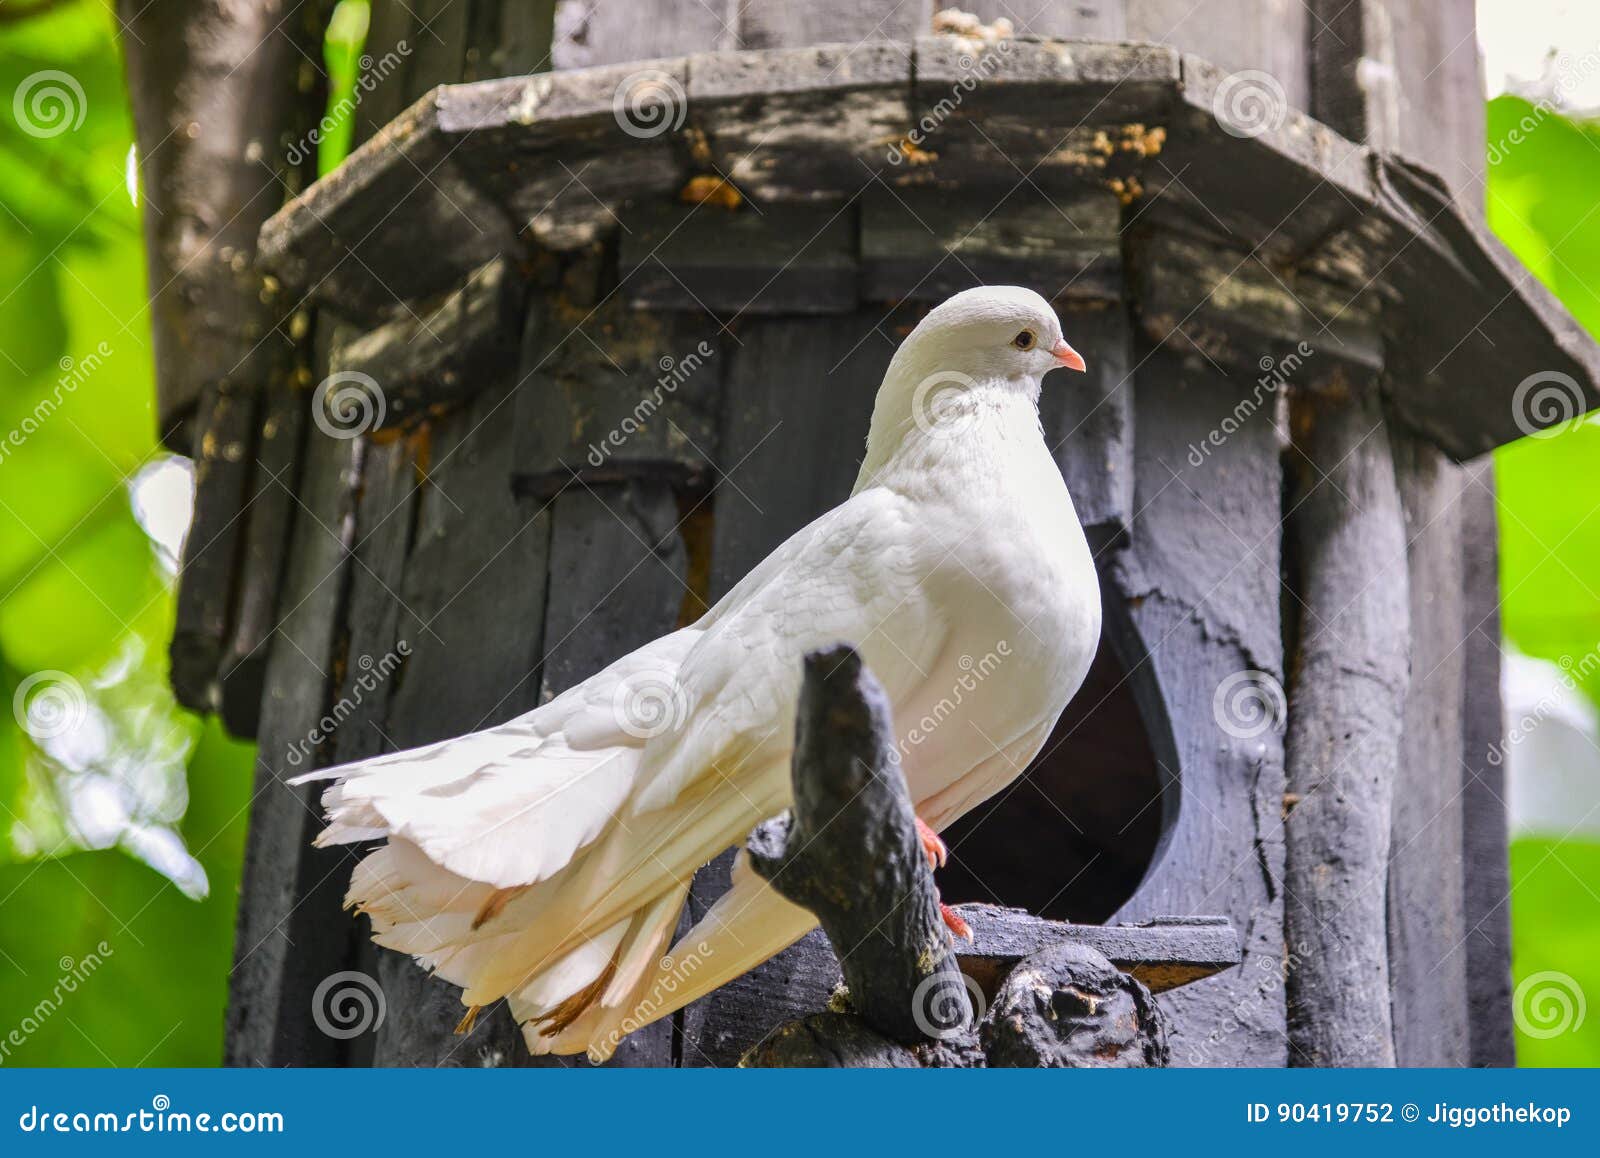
column 937, row 852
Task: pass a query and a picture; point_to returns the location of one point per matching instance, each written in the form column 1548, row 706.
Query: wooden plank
column 922, row 245
column 987, row 115
column 1426, row 893
column 440, row 351
column 1344, row 746
column 779, row 260
column 593, row 32
column 782, row 24
column 1485, row 859
column 270, row 520
column 800, row 124
column 390, row 23
column 1267, row 36
column 609, row 394
column 1088, row 422
column 618, row 579
column 471, row 608
column 1205, row 623
column 1076, row 19
column 224, row 458
column 799, row 390
column 507, row 37
column 1163, row 953
column 292, row 932
column 1235, row 309
column 793, row 386
column 1440, row 89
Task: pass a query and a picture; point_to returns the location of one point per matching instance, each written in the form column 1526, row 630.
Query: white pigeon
column 546, row 860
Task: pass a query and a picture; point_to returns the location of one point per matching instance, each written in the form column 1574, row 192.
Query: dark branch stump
column 849, row 851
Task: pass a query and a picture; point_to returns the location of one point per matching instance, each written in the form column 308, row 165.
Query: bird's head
column 997, row 332
column 974, row 357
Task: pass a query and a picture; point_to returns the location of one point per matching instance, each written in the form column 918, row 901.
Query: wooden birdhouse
column 600, row 305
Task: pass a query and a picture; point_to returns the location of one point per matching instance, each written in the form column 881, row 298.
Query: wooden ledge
column 1164, row 953
column 1286, row 229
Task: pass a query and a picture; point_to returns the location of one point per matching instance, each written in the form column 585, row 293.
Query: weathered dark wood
column 439, row 352
column 1426, row 894
column 224, row 458
column 1229, row 306
column 796, row 405
column 219, row 95
column 800, row 124
column 617, row 580
column 1205, row 620
column 1069, row 1007
column 781, row 24
column 1261, row 35
column 269, row 523
column 1486, row 911
column 920, row 245
column 1325, row 232
column 594, row 32
column 829, row 1040
column 292, row 932
column 610, row 394
column 1344, row 741
column 1088, row 421
column 469, row 605
column 849, row 851
column 1088, row 19
column 792, row 386
column 779, row 260
column 1162, row 954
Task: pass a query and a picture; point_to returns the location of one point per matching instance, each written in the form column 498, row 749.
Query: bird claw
column 937, row 851
column 957, row 925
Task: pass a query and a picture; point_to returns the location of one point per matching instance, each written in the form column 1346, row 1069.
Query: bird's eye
column 1024, row 340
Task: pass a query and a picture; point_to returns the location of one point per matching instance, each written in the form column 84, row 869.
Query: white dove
column 546, row 860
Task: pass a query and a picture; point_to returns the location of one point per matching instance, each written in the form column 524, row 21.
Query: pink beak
column 1066, row 356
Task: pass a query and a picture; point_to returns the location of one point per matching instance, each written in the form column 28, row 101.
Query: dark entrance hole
column 1076, row 833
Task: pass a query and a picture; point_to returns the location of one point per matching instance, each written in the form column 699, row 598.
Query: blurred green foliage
column 1542, row 201
column 114, row 803
column 97, row 824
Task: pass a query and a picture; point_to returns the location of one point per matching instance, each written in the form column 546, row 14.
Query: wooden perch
column 850, row 853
